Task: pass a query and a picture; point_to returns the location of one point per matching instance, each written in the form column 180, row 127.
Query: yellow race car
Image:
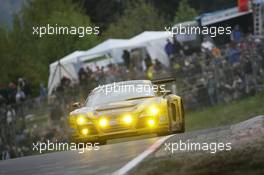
column 127, row 108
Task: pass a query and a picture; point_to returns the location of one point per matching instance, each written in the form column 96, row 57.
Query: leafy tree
column 184, row 12
column 113, row 8
column 29, row 55
column 3, row 53
column 138, row 17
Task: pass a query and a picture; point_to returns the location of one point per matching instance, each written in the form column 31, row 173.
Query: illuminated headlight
column 103, row 122
column 81, row 120
column 85, row 131
column 151, row 122
column 127, row 119
column 153, row 110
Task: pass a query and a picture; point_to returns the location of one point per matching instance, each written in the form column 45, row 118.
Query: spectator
column 158, row 66
column 150, row 72
column 5, row 155
column 236, row 35
column 42, row 91
column 177, row 46
column 169, row 49
column 233, row 54
column 207, row 45
column 238, row 87
column 11, row 91
column 137, row 60
column 82, row 75
column 20, row 95
column 147, row 61
column 216, row 52
column 24, row 86
column 211, row 88
column 126, row 58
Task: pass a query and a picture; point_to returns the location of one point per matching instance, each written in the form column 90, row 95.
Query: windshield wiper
column 136, row 98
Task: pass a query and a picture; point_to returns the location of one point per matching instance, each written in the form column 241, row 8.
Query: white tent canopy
column 68, row 66
column 153, row 41
column 151, row 36
column 107, row 46
column 155, row 44
column 114, row 48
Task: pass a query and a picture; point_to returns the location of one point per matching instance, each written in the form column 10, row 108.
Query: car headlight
column 85, row 131
column 151, row 122
column 153, row 110
column 103, row 122
column 81, row 120
column 127, row 119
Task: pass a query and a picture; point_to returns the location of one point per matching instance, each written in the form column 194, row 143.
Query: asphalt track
column 104, row 161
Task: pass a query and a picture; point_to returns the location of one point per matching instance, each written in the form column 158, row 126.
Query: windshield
column 123, row 92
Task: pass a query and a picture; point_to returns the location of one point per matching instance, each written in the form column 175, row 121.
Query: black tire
column 182, row 127
column 163, row 133
column 101, row 141
column 180, row 130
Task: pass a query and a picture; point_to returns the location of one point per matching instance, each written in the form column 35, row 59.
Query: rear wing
column 164, row 80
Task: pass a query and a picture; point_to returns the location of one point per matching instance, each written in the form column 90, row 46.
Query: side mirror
column 168, row 92
column 76, row 105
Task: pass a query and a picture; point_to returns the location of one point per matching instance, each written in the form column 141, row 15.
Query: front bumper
column 116, row 128
column 118, row 134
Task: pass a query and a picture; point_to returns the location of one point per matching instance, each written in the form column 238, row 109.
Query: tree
column 30, row 54
column 184, row 12
column 3, row 53
column 138, row 17
column 113, row 8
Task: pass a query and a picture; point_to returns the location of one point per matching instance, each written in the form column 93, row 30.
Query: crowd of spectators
column 216, row 74
column 220, row 74
column 135, row 66
column 15, row 100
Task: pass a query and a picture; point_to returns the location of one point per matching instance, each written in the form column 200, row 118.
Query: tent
column 113, row 48
column 67, row 66
column 155, row 42
column 110, row 50
column 107, row 46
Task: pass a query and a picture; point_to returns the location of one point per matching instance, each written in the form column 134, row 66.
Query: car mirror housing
column 76, row 105
column 168, row 92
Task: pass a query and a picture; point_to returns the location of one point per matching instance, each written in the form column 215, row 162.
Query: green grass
column 226, row 114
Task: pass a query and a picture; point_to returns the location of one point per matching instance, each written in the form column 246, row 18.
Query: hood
column 117, row 107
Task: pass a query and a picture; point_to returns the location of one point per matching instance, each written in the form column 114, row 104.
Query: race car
column 127, row 108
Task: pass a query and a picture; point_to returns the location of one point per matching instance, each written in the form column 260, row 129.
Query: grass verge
column 245, row 160
column 226, row 114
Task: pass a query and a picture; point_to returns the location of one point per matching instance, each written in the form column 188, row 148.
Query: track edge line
column 137, row 160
